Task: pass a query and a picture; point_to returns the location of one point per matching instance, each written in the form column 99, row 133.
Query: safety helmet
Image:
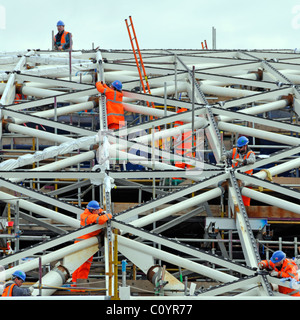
column 20, row 274
column 117, row 84
column 242, row 141
column 278, row 256
column 60, row 23
column 93, row 205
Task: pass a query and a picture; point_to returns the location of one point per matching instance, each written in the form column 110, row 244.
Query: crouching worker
column 281, row 267
column 92, row 214
column 13, row 288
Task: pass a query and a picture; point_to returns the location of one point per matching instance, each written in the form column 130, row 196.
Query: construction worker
column 182, row 146
column 62, row 40
column 240, row 156
column 281, row 267
column 92, row 214
column 114, row 106
column 13, row 288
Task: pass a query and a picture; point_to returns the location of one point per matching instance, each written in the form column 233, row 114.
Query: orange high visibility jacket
column 288, row 270
column 87, row 218
column 65, row 38
column 183, row 142
column 8, row 290
column 235, row 155
column 114, row 106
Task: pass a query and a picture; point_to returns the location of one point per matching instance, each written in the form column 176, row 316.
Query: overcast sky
column 159, row 24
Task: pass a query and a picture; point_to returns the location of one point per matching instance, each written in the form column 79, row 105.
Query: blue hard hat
column 60, row 23
column 278, row 256
column 117, row 84
column 20, row 274
column 93, row 205
column 242, row 141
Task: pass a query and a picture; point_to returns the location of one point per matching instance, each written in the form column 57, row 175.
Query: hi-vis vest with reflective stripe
column 183, row 142
column 114, row 106
column 87, row 218
column 62, row 39
column 235, row 155
column 8, row 290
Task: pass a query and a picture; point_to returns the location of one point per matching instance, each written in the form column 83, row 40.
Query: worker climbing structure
column 184, row 230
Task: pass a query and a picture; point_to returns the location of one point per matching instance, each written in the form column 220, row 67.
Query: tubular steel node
column 179, row 227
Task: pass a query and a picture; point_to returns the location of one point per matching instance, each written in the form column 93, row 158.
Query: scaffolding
column 57, row 154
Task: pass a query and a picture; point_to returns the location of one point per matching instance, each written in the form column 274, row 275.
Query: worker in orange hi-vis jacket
column 240, row 156
column 281, row 267
column 92, row 214
column 114, row 106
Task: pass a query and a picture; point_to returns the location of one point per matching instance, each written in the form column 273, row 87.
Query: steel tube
column 60, row 111
column 40, row 210
column 175, row 259
column 273, row 201
column 280, row 138
column 43, row 93
column 50, row 257
column 259, row 109
column 61, row 164
column 55, row 278
column 161, row 214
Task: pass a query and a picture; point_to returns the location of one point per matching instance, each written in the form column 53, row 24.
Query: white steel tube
column 61, row 111
column 58, row 165
column 40, row 210
column 43, row 93
column 84, row 78
column 251, row 76
column 181, row 87
column 199, row 123
column 50, row 257
column 194, row 201
column 55, row 278
column 259, row 109
column 259, row 133
column 273, row 201
column 176, row 260
column 227, row 92
column 41, row 134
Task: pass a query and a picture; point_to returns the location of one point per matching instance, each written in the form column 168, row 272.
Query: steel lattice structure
column 224, row 92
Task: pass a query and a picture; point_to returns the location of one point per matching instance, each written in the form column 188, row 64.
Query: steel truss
column 224, row 92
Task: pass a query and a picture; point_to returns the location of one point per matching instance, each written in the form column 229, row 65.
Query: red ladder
column 139, row 62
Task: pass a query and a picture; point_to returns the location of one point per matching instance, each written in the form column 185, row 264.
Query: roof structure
column 60, row 115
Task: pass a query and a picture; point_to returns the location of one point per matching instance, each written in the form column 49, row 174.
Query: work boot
column 80, row 283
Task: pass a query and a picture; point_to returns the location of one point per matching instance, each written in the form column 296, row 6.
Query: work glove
column 261, row 266
column 274, row 273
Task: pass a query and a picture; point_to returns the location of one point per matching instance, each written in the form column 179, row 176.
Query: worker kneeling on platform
column 13, row 288
column 92, row 214
column 281, row 267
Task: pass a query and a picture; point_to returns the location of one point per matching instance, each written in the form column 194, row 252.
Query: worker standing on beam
column 92, row 214
column 240, row 156
column 281, row 267
column 114, row 106
column 62, row 40
column 13, row 288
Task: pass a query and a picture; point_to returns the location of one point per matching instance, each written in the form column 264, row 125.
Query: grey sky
column 159, row 24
